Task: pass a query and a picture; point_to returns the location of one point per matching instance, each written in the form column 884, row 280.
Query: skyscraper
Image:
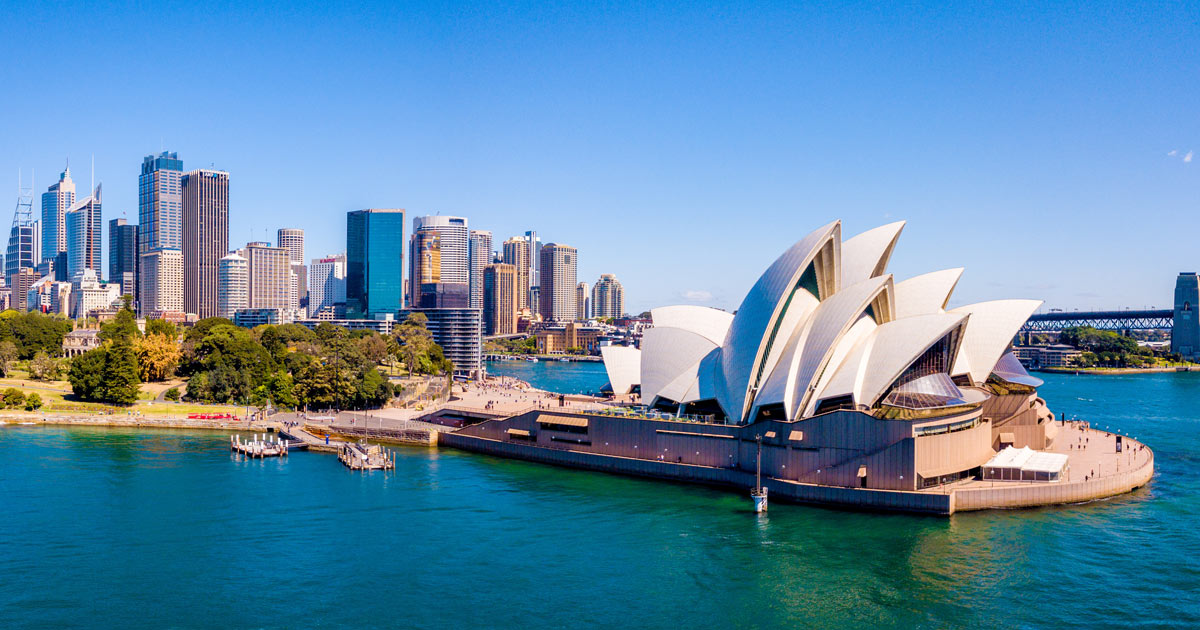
column 535, row 258
column 581, row 302
column 500, row 299
column 374, row 262
column 270, row 276
column 233, row 285
column 516, row 253
column 608, row 297
column 162, row 281
column 160, row 203
column 20, row 239
column 480, row 256
column 556, row 295
column 84, row 224
column 439, row 260
column 327, row 286
column 292, row 239
column 55, row 202
column 122, row 255
column 205, row 237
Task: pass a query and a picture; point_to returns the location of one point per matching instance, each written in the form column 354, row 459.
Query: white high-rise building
column 292, row 239
column 326, row 284
column 233, row 285
column 455, row 247
column 480, row 256
column 608, row 297
column 88, row 294
column 582, row 302
column 162, row 281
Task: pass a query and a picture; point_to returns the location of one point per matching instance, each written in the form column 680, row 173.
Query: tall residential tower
column 205, row 238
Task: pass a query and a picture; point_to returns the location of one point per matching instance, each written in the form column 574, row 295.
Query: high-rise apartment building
column 516, row 253
column 374, row 263
column 480, row 256
column 581, row 302
column 459, row 332
column 608, row 297
column 556, row 295
column 19, row 284
column 500, row 299
column 122, row 255
column 162, row 281
column 270, row 276
column 55, row 202
column 84, row 225
column 205, row 238
column 440, row 263
column 160, row 203
column 233, row 285
column 327, row 286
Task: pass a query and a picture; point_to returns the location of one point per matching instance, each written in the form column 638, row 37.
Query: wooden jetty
column 260, row 446
column 363, row 456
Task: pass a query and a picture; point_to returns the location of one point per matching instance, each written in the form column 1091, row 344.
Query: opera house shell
column 826, row 328
column 832, row 383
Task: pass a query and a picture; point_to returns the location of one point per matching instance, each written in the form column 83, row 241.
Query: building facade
column 327, row 286
column 123, row 256
column 375, row 249
column 162, row 281
column 516, row 253
column 84, row 225
column 480, row 255
column 292, row 239
column 556, row 295
column 608, row 297
column 55, row 202
column 160, row 203
column 582, row 302
column 460, row 334
column 440, row 263
column 205, row 237
column 233, row 282
column 500, row 299
column 270, row 273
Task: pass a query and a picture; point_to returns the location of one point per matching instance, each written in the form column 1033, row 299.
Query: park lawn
column 173, row 409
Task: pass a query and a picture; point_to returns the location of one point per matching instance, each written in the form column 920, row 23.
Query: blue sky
column 679, row 146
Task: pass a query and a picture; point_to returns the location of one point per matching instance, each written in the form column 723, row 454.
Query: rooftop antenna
column 93, row 186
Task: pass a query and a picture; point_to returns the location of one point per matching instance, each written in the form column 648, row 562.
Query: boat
column 564, row 360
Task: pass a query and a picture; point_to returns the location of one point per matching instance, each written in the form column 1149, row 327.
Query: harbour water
column 120, row 528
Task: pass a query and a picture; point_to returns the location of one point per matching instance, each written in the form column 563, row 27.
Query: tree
column 33, row 402
column 14, row 398
column 162, row 327
column 157, row 356
column 33, row 332
column 415, row 343
column 86, row 374
column 373, row 347
column 122, row 328
column 8, row 356
column 44, row 367
column 120, row 376
column 201, row 329
column 172, row 394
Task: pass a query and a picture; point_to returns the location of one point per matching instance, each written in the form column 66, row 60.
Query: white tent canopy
column 1025, row 464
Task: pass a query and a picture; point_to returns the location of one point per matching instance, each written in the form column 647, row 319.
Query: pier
column 363, row 456
column 260, row 446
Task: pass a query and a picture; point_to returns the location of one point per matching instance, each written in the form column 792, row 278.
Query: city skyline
column 719, row 125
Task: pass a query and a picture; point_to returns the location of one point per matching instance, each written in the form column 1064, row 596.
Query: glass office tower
column 374, row 263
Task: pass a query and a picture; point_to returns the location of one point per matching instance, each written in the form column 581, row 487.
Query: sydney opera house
column 849, row 386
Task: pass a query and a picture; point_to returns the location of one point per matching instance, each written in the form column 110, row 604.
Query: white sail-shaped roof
column 666, row 354
column 624, row 365
column 710, row 323
column 993, row 326
column 926, row 293
column 810, row 345
column 866, row 255
column 880, row 358
column 755, row 329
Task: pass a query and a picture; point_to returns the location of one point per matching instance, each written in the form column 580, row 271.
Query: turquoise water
column 554, row 376
column 116, row 528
